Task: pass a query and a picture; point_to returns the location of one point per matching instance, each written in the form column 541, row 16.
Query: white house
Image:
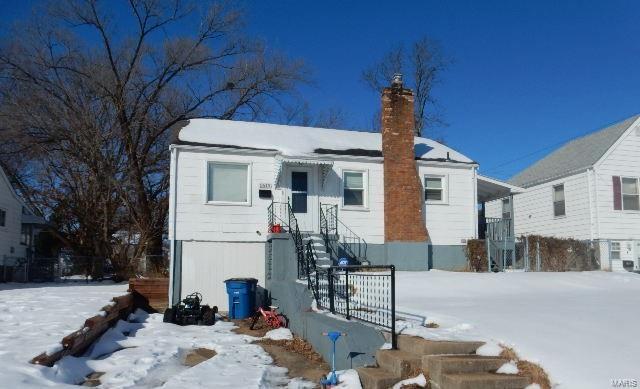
column 232, row 181
column 18, row 225
column 10, row 220
column 588, row 189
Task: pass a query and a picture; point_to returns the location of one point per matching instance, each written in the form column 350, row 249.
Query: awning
column 324, row 165
column 492, row 189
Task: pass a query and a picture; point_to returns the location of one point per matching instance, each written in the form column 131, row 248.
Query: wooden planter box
column 152, row 293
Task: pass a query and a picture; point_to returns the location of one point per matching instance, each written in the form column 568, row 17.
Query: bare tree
column 421, row 65
column 91, row 97
column 301, row 114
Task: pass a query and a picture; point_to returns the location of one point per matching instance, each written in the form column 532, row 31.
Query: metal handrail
column 364, row 293
column 333, row 230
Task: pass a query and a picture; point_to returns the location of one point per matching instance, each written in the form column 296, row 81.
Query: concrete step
column 377, row 378
column 420, row 346
column 482, row 381
column 439, row 365
column 400, row 363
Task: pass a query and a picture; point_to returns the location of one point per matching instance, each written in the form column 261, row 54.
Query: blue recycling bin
column 242, row 297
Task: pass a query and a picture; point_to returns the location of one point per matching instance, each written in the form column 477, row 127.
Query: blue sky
column 526, row 77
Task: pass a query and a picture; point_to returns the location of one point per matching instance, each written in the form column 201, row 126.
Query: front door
column 302, row 197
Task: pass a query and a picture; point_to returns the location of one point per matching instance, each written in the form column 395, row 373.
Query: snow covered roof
column 305, row 142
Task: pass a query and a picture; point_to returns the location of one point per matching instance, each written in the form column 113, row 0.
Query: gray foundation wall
column 409, row 256
column 294, row 300
column 451, row 257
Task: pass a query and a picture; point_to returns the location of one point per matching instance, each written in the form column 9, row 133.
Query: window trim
column 205, row 191
column 445, row 189
column 365, row 190
column 622, row 194
column 553, row 200
column 619, row 251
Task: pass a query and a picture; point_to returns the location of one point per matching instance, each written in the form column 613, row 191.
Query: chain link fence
column 76, row 268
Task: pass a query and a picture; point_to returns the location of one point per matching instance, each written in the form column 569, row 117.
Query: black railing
column 278, row 217
column 281, row 219
column 339, row 239
column 365, row 293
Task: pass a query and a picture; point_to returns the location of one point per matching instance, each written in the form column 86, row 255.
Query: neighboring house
column 412, row 200
column 10, row 220
column 589, row 189
column 19, row 225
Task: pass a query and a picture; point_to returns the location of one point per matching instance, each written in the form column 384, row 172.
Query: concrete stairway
column 324, row 259
column 448, row 364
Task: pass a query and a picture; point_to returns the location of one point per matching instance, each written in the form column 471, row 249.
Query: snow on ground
column 142, row 352
column 580, row 326
column 151, row 356
column 279, row 334
column 35, row 317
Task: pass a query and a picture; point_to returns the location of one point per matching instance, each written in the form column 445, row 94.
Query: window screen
column 615, row 250
column 353, row 188
column 558, row 201
column 433, row 189
column 630, row 194
column 227, row 182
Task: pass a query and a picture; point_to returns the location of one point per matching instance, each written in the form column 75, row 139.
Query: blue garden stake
column 333, row 378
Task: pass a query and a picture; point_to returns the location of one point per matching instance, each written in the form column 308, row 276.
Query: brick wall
column 403, row 203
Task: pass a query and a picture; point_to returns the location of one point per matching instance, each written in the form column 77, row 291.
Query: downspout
column 592, row 206
column 475, row 202
column 172, row 215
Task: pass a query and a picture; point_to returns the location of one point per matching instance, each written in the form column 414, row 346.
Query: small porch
column 497, row 232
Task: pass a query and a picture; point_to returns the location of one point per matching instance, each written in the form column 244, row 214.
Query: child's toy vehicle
column 190, row 312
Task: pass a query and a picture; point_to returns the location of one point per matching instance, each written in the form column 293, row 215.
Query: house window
column 434, row 189
column 25, row 235
column 558, row 201
column 506, row 208
column 615, row 250
column 3, row 218
column 227, row 182
column 353, row 188
column 630, row 194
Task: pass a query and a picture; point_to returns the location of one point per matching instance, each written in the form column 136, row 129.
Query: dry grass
column 296, row 345
column 535, row 373
column 509, row 353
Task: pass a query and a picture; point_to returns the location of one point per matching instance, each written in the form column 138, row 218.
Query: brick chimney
column 403, row 195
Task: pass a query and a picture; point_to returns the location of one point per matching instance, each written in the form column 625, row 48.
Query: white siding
column 454, row 221
column 624, row 160
column 10, row 233
column 368, row 223
column 205, row 266
column 196, row 220
column 533, row 210
column 493, row 209
column 448, row 224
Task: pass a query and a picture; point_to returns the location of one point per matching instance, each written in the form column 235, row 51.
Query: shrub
column 558, row 254
column 476, row 253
